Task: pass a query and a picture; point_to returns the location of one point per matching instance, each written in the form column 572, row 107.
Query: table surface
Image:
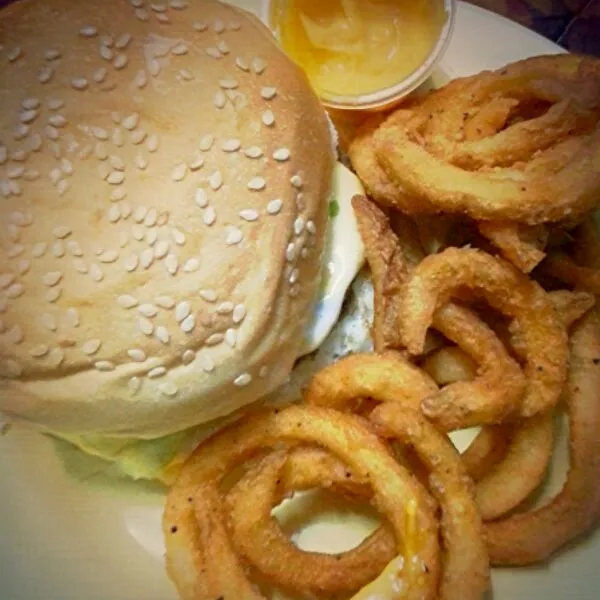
column 574, row 24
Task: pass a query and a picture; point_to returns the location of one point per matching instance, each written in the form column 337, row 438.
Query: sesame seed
column 79, row 83
column 99, row 133
column 56, row 356
column 51, row 54
column 188, row 357
column 21, row 131
column 179, row 172
column 15, row 290
column 49, row 322
column 296, row 181
column 171, row 264
column 213, row 52
column 178, row 236
column 45, row 74
column 58, row 249
column 281, row 154
column 104, row 365
column 268, row 118
column 159, row 8
column 157, row 372
column 234, row 236
column 6, row 279
column 137, row 137
column 88, row 31
column 290, row 253
column 131, row 263
column 206, row 363
column 148, row 310
column 15, row 172
column 27, row 116
column 123, row 41
column 258, row 65
column 15, row 250
column 162, row 335
column 23, row 266
column 117, row 163
column 145, row 326
column 127, row 301
column 311, row 227
column 178, row 4
column 72, row 317
column 61, row 232
column 53, row 294
column 215, row 180
column 219, row 26
column 96, row 273
column 231, row 337
column 140, row 162
column 137, row 355
column 141, row 79
column 228, row 83
column 239, row 313
column 298, row 225
column 231, row 145
column 304, row 253
column 162, row 249
column 274, row 207
column 39, row 351
column 191, row 265
column 268, row 93
column 130, row 122
column 257, row 184
column 264, row 371
column 139, row 215
column 220, row 100
column 55, row 103
column 241, row 64
column 57, row 120
column 114, row 213
column 134, row 385
column 188, row 324
column 214, row 339
column 147, row 258
column 294, row 290
column 106, row 53
column 80, row 266
column 138, row 233
column 200, row 26
column 151, row 217
column 182, row 310
column 15, row 54
column 208, row 295
column 117, row 137
column 179, row 49
column 153, row 67
column 249, row 214
column 90, row 347
column 51, row 278
column 165, row 302
column 242, row 380
column 116, row 178
column 168, row 388
column 142, row 14
column 294, row 276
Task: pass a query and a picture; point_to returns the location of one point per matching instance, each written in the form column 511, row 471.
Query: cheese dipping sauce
column 358, row 47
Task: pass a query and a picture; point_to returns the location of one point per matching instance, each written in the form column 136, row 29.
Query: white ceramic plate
column 61, row 540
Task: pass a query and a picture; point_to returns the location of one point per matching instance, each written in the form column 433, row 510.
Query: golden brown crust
column 164, row 174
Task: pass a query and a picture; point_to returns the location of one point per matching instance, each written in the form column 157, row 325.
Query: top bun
column 165, row 170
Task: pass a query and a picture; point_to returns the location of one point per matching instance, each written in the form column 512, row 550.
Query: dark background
column 574, row 24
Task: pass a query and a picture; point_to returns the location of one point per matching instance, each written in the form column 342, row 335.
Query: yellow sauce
column 357, row 47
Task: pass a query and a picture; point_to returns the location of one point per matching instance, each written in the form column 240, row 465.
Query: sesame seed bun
column 165, row 172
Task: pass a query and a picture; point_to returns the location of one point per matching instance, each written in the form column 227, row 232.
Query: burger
column 175, row 231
